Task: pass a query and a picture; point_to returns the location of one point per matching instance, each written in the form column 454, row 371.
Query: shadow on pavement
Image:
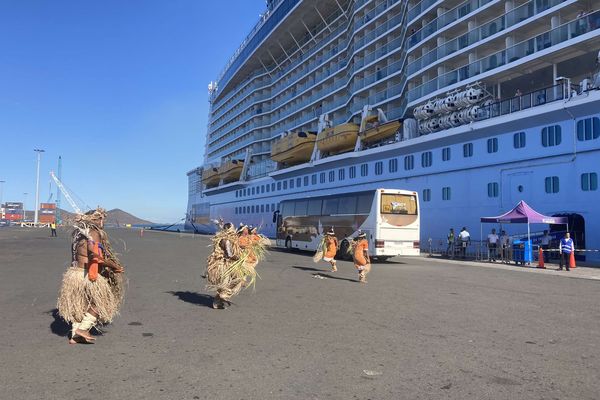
column 194, row 298
column 320, row 272
column 59, row 327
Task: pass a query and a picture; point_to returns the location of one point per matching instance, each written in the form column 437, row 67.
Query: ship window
column 364, row 203
column 322, row 177
column 252, row 209
column 378, row 168
column 519, row 140
column 347, row 205
column 330, row 206
column 426, row 194
column 278, row 185
column 298, row 182
column 313, row 179
column 352, row 172
column 493, row 189
column 589, row 181
column 236, row 210
column 268, row 188
column 262, row 208
column 446, row 193
column 285, row 184
column 492, row 145
column 426, row 159
column 331, row 176
column 552, row 184
column 291, row 183
column 341, row 174
column 237, row 194
column 300, row 209
column 409, row 162
column 314, row 207
column 446, row 154
column 253, row 191
column 273, row 187
column 393, row 165
column 306, row 180
column 287, row 208
column 273, row 207
column 468, row 150
column 262, row 189
column 588, row 129
column 364, row 170
column 551, row 136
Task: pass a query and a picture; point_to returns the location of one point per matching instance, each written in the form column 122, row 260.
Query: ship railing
column 513, row 17
column 511, row 54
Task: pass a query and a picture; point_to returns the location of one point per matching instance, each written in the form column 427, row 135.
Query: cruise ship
column 475, row 105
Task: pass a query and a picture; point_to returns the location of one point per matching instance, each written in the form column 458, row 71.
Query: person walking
column 492, row 240
column 465, row 240
column 545, row 243
column 450, row 241
column 53, row 229
column 362, row 261
column 331, row 248
column 566, row 248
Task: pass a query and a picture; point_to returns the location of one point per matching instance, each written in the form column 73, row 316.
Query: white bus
column 389, row 217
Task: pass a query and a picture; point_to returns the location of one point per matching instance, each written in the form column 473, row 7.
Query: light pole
column 1, row 191
column 37, row 186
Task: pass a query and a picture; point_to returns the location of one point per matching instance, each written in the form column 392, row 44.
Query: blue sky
column 118, row 89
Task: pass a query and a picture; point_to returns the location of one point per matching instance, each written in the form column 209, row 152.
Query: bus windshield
column 403, row 204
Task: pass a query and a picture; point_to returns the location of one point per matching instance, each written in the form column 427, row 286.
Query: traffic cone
column 541, row 259
column 572, row 260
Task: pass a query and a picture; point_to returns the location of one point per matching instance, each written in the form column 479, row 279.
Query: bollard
column 541, row 259
column 572, row 260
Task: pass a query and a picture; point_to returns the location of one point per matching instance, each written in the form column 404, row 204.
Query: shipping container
column 13, row 204
column 14, row 217
column 47, row 206
column 46, row 219
column 47, row 212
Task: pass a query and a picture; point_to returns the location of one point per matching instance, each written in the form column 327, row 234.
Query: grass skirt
column 78, row 294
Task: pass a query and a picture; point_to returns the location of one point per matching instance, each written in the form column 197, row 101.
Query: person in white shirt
column 493, row 245
column 465, row 239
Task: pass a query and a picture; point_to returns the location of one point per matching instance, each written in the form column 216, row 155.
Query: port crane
column 65, row 193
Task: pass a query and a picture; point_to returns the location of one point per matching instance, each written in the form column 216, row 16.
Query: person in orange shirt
column 331, row 247
column 362, row 262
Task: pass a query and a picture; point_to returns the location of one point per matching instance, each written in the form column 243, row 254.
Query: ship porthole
column 520, row 188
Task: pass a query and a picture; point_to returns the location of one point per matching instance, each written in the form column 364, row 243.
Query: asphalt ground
column 420, row 329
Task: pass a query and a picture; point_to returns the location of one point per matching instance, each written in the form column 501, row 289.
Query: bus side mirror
column 275, row 216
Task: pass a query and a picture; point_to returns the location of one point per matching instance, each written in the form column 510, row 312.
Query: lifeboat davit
column 376, row 131
column 230, row 171
column 210, row 177
column 338, row 139
column 293, row 148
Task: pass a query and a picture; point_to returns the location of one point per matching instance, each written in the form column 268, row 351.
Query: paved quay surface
column 420, row 329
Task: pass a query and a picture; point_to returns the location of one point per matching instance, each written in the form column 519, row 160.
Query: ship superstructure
column 475, row 104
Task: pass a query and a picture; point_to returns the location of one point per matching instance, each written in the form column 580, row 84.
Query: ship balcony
column 521, row 21
column 384, row 30
column 543, row 48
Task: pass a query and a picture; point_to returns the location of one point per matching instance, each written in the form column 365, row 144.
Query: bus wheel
column 288, row 243
column 344, row 252
column 382, row 258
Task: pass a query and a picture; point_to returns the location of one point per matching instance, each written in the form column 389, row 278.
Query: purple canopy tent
column 523, row 214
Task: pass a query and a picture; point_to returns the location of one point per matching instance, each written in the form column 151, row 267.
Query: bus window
column 364, row 203
column 330, row 206
column 347, row 205
column 398, row 204
column 300, row 209
column 287, row 208
column 314, row 206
